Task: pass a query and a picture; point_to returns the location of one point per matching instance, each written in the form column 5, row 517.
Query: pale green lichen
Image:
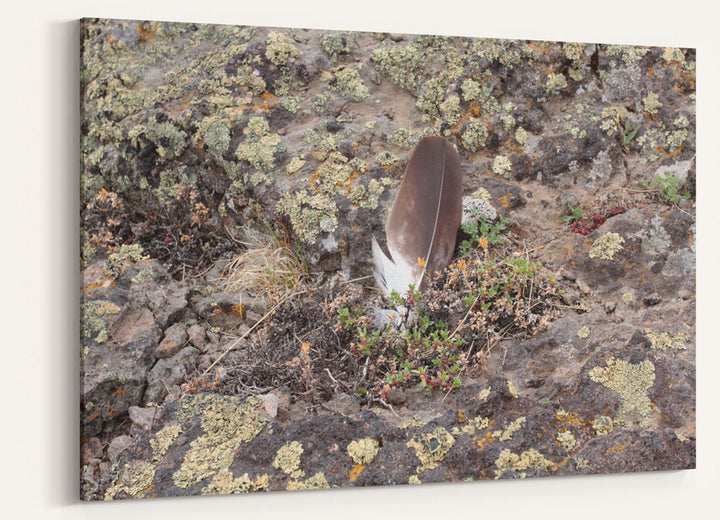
column 606, row 246
column 279, row 50
column 450, row 109
column 223, row 483
column 294, row 165
column 512, row 389
column 386, row 158
column 628, row 53
column 363, row 451
column 501, row 165
column 287, row 460
column 673, row 54
column 403, row 138
column 228, row 422
column 431, row 448
column 530, row 459
column 521, row 136
column 310, row 214
column 94, row 325
column 506, row 52
column 651, row 103
column 611, row 118
column 475, row 135
column 555, row 82
column 317, row 481
column 472, row 426
column 336, row 43
column 402, row 64
column 168, row 139
column 674, row 139
column 349, row 85
column 163, row 439
column 627, row 297
column 566, row 439
column 603, row 425
column 260, row 154
column 145, row 274
column 584, row 332
column 481, row 193
column 631, row 382
column 574, row 51
column 136, row 477
column 414, row 480
column 666, row 340
column 128, row 254
column 217, row 137
column 507, row 433
column 508, row 122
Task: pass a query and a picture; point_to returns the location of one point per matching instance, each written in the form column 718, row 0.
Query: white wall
column 38, row 296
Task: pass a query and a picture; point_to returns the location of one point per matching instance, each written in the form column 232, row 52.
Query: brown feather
column 425, row 217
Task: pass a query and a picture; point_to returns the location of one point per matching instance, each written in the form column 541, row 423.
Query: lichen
column 163, row 439
column 555, row 82
column 530, row 459
column 631, row 382
column 628, row 53
column 279, row 50
column 223, row 483
column 363, row 451
column 512, row 389
column 506, row 435
column 294, row 165
column 584, row 332
column 349, row 85
column 431, row 448
column 651, row 103
column 402, row 64
column 501, row 165
column 127, row 254
column 94, row 325
column 603, row 425
column 605, row 246
column 228, row 422
column 287, row 459
column 611, row 117
column 414, row 480
column 666, row 340
column 566, row 439
column 403, row 138
column 136, row 477
column 317, row 481
column 475, row 135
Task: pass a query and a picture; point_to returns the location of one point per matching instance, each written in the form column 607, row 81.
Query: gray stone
column 169, row 372
column 117, row 446
column 175, row 339
column 143, row 417
column 197, row 336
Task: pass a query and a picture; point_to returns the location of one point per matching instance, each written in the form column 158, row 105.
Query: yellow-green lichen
column 403, row 138
column 363, row 451
column 126, row 255
column 627, row 297
column 628, row 53
column 136, row 477
column 310, row 214
column 530, row 459
column 349, row 84
column 584, row 332
column 294, row 165
column 475, row 135
column 512, row 389
column 163, row 439
column 574, row 51
column 605, row 246
column 521, row 136
column 402, row 64
column 386, row 158
column 666, row 340
column 506, row 435
column 279, row 50
column 631, row 382
column 145, row 274
column 673, row 54
column 414, row 480
column 611, row 118
column 223, row 483
column 228, row 422
column 501, row 165
column 555, row 82
column 603, row 425
column 317, row 481
column 287, row 460
column 506, row 52
column 674, row 139
column 450, row 109
column 651, row 103
column 431, row 448
column 472, row 426
column 94, row 325
column 566, row 439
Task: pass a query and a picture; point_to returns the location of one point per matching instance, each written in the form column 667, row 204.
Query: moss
column 603, row 425
column 651, row 103
column 631, row 382
column 136, row 477
column 530, row 459
column 431, row 448
column 567, row 440
column 287, row 459
column 349, row 85
column 475, row 135
column 605, row 246
column 223, row 483
column 402, row 64
column 163, row 439
column 363, row 451
column 279, row 50
column 228, row 422
column 317, row 481
column 666, row 340
column 501, row 165
column 584, row 332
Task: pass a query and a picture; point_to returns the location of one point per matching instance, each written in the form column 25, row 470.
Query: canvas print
column 315, row 259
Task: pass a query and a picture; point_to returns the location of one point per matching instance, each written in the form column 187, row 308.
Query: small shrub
column 668, row 186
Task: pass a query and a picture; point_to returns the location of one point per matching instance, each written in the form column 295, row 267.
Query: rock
column 143, row 417
column 117, row 446
column 610, row 307
column 343, row 404
column 91, row 451
column 652, row 299
column 175, row 339
column 197, row 336
column 167, row 373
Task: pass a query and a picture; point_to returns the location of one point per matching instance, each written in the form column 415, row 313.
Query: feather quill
column 424, row 219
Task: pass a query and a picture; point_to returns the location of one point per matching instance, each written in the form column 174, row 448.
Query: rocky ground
column 203, row 375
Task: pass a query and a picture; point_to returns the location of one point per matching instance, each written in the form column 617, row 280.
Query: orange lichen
column 356, row 471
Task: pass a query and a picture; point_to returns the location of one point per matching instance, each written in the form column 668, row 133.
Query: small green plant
column 576, row 213
column 482, row 231
column 628, row 134
column 668, row 186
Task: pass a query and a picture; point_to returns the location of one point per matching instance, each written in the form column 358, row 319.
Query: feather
column 424, row 219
